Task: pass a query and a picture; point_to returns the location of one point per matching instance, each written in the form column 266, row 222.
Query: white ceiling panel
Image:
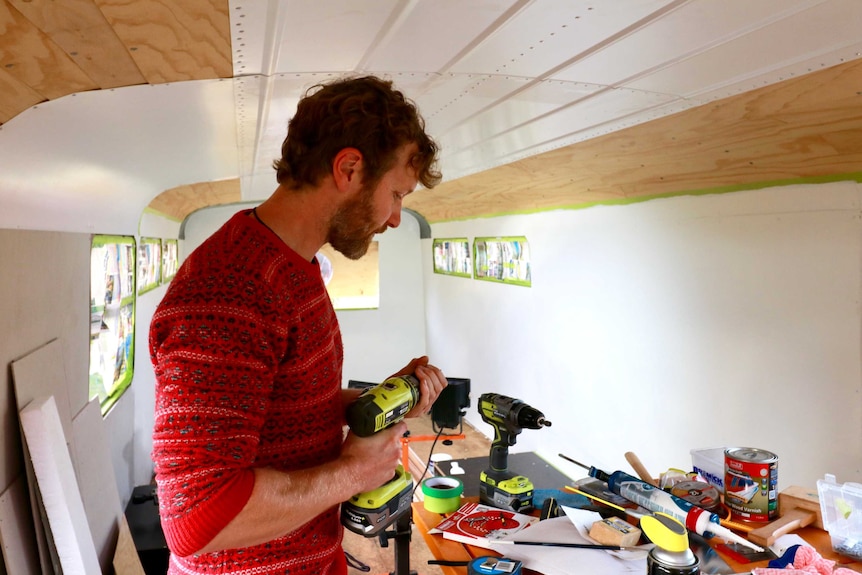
column 112, row 151
column 451, row 26
column 534, row 102
column 552, row 130
column 678, row 34
column 315, row 36
column 483, row 92
column 550, row 33
column 800, row 68
column 817, row 31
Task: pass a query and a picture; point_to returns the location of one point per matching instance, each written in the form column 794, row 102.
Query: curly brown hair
column 365, row 113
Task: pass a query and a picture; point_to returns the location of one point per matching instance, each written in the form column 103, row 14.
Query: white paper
column 583, row 520
column 564, row 560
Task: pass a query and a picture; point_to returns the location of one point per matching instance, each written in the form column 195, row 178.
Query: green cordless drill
column 498, row 486
column 376, row 409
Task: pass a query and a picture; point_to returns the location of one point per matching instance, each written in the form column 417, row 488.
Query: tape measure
column 494, row 566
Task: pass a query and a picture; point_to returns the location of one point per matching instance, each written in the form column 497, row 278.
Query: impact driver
column 498, row 486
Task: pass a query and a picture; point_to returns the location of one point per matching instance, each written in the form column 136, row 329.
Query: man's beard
column 352, row 227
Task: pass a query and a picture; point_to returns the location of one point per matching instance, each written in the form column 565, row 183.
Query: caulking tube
column 697, row 519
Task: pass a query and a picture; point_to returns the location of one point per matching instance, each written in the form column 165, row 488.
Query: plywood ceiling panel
column 35, row 60
column 17, row 96
column 81, row 30
column 174, row 41
column 179, row 202
column 785, row 131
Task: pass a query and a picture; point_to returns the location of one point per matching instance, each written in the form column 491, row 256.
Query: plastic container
column 841, row 507
column 709, row 463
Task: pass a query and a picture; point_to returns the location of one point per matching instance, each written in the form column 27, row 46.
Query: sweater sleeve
column 214, row 365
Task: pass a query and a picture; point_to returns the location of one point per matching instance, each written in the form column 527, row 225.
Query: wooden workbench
column 452, row 550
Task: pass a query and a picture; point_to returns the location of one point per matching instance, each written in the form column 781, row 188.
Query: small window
column 170, row 260
column 452, row 257
column 112, row 317
column 505, row 260
column 149, row 264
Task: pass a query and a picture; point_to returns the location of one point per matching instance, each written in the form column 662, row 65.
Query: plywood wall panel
column 793, row 130
column 33, row 58
column 174, row 41
column 81, row 30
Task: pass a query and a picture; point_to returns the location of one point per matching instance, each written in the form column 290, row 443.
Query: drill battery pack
column 513, row 492
column 373, row 511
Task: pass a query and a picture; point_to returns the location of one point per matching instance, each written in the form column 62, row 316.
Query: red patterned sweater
column 248, row 356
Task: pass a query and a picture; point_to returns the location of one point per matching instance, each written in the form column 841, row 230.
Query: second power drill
column 375, row 409
column 498, row 486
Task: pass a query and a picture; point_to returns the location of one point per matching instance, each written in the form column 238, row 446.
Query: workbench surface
column 452, row 550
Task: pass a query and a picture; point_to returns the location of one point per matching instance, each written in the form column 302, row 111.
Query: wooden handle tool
column 799, row 507
column 639, row 468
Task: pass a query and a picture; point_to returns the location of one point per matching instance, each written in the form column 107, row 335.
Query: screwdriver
column 697, row 519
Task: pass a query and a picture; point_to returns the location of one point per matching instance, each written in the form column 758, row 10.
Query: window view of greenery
column 112, row 317
column 149, row 264
column 505, row 260
column 170, row 259
column 452, row 257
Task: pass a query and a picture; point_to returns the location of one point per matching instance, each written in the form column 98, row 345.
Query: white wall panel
column 671, row 325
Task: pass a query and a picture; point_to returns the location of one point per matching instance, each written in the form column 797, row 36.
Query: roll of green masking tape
column 442, row 494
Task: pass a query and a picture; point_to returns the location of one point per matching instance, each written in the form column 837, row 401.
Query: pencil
column 572, row 545
column 599, row 499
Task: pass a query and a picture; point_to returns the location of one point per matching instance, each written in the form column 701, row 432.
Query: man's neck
column 299, row 217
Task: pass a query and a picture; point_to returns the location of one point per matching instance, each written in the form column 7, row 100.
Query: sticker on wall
column 505, row 260
column 452, row 257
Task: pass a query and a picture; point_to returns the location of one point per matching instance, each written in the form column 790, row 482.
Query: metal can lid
column 674, row 559
column 751, row 454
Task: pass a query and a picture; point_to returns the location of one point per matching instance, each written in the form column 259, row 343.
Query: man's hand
column 374, row 458
column 431, row 383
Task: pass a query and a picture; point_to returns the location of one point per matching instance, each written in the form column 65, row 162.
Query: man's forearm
column 282, row 502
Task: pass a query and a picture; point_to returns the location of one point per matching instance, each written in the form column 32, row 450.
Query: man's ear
column 347, row 169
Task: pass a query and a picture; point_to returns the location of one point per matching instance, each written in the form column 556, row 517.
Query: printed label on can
column 751, row 484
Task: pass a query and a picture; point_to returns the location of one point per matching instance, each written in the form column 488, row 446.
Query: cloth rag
column 802, row 560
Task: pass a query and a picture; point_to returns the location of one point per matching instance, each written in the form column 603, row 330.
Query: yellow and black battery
column 369, row 512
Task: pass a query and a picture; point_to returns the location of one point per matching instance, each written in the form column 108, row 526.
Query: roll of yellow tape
column 442, row 494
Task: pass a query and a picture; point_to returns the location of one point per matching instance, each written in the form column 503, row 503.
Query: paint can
column 663, row 562
column 751, row 484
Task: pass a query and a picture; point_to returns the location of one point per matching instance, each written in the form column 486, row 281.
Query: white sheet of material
column 97, row 480
column 18, row 547
column 564, row 560
column 58, row 486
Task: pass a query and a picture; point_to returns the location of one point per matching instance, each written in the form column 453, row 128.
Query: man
column 249, row 449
